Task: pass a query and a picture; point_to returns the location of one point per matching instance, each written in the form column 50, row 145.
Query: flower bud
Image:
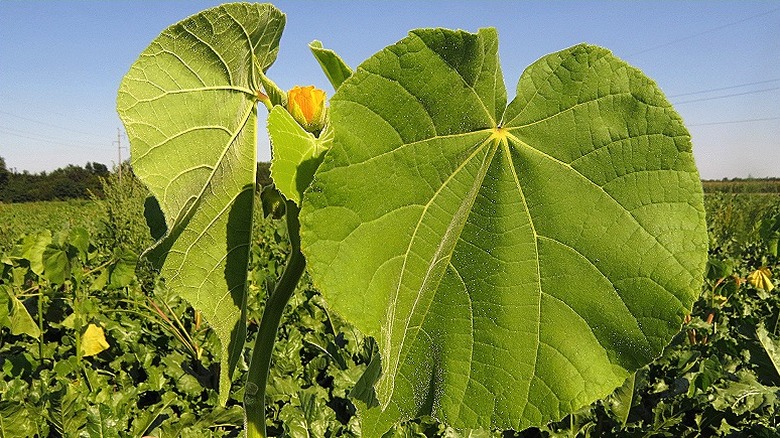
column 307, row 106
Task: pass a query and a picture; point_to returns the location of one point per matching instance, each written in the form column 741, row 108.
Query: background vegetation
column 70, row 182
column 740, row 185
column 69, row 266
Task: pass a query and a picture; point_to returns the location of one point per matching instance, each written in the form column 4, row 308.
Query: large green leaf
column 514, row 262
column 33, row 247
column 189, row 107
column 56, row 264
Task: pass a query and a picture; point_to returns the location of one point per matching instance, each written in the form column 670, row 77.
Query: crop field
column 94, row 345
column 18, row 219
column 747, row 186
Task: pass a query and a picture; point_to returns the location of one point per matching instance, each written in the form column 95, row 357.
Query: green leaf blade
column 622, row 399
column 296, row 153
column 771, row 346
column 56, row 264
column 615, row 143
column 513, row 265
column 332, row 65
column 15, row 316
column 100, row 423
column 189, row 107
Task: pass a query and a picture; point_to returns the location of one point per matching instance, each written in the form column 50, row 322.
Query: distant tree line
column 70, row 182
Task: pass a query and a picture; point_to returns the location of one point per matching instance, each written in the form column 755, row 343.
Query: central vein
column 499, row 135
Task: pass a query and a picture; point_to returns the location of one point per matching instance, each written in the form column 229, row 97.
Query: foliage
column 559, row 238
column 209, row 89
column 735, row 221
column 70, row 182
column 124, row 224
column 159, row 377
column 27, row 218
column 108, row 361
column 4, row 174
column 263, row 174
column 465, row 223
column 739, row 185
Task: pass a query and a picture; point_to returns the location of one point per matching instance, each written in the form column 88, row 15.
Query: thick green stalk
column 254, row 393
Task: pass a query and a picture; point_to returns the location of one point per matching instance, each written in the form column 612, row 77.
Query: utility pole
column 119, row 152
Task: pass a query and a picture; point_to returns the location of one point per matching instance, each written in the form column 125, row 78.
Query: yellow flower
column 762, row 278
column 307, row 106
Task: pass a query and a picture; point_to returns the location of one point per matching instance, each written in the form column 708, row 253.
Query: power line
column 39, row 137
column 724, row 88
column 704, row 32
column 729, row 122
column 50, row 125
column 8, row 97
column 69, row 145
column 727, row 95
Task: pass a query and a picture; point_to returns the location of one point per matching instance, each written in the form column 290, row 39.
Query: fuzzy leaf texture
column 189, row 107
column 296, row 153
column 515, row 263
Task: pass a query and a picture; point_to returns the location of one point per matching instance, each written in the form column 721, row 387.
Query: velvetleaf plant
column 515, row 262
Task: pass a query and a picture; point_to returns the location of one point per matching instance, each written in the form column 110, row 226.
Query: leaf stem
column 257, row 379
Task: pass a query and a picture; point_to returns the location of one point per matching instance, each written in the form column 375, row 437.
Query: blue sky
column 719, row 62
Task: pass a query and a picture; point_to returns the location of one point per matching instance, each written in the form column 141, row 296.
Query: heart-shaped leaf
column 56, row 264
column 189, row 107
column 514, row 262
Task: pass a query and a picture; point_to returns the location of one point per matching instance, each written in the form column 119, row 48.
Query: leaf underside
column 189, row 108
column 514, row 262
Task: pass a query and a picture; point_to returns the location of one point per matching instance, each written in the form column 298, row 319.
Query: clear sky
column 717, row 61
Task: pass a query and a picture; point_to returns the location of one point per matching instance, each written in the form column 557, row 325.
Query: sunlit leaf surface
column 514, row 262
column 189, row 107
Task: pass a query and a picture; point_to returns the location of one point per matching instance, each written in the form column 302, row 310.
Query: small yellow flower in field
column 307, row 106
column 761, row 278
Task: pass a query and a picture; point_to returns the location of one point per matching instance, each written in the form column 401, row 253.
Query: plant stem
column 40, row 328
column 254, row 393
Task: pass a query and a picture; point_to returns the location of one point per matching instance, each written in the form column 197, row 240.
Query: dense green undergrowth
column 159, row 373
column 17, row 219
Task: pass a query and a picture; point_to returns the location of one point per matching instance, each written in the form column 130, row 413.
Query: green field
column 157, row 376
column 18, row 219
column 742, row 186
